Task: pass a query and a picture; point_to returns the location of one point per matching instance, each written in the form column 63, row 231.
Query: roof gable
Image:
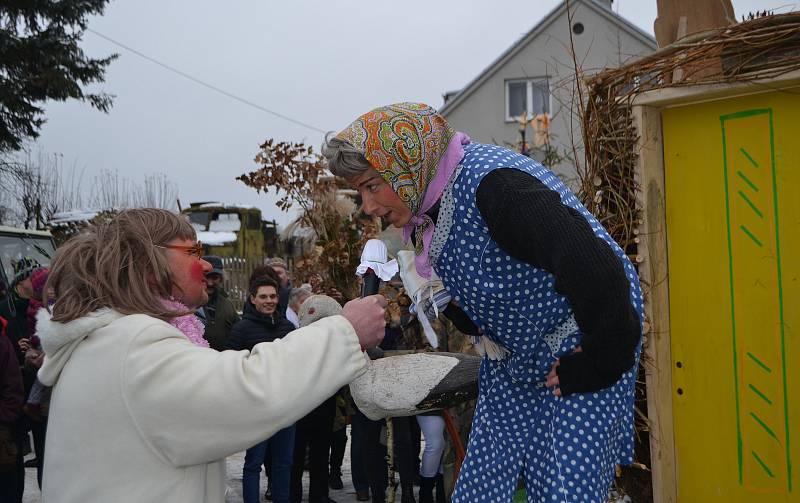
column 537, row 30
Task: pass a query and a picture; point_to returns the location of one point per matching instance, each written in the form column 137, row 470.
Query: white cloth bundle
column 376, row 257
column 428, row 295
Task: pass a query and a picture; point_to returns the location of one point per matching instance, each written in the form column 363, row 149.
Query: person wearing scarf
column 141, row 408
column 534, row 276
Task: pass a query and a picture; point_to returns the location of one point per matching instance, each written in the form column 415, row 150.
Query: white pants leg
column 433, row 432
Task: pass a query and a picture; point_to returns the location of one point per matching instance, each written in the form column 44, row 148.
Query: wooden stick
column 390, row 460
column 452, row 430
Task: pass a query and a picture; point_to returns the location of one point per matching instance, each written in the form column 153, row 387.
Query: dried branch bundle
column 760, row 48
column 297, row 174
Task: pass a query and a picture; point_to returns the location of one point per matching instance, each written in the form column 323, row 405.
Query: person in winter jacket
column 219, row 314
column 261, row 322
column 141, row 408
column 14, row 308
column 264, row 323
column 39, row 395
column 12, row 471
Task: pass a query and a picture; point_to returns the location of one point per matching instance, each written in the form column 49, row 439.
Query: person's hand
column 368, row 317
column 38, row 361
column 552, row 376
column 24, row 345
column 34, row 357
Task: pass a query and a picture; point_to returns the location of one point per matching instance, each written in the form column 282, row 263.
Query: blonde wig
column 117, row 265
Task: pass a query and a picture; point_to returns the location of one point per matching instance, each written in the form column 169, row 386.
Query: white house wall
column 602, row 44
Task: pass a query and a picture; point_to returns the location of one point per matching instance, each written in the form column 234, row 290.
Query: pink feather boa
column 189, row 324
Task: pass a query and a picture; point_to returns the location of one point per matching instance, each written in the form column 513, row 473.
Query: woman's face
column 265, row 300
column 188, row 273
column 379, row 199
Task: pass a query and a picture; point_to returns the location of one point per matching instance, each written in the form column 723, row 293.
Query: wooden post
column 700, row 15
column 392, row 485
column 458, row 446
column 653, row 272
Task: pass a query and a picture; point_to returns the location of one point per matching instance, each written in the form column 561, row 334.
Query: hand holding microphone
column 374, row 267
column 368, row 317
column 408, row 384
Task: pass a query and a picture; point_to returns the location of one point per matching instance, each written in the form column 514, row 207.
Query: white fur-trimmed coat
column 140, row 414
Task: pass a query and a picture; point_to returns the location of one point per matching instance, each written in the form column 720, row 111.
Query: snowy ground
column 234, row 492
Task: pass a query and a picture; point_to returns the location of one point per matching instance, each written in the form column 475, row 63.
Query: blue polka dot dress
column 565, row 448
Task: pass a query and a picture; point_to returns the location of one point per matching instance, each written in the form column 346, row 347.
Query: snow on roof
column 17, row 230
column 216, row 238
column 225, row 222
column 225, row 205
column 69, row 217
column 296, row 229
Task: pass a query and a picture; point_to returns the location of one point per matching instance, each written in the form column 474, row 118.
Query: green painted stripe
column 763, row 465
column 749, row 157
column 764, row 425
column 747, row 181
column 750, row 203
column 762, row 395
column 739, row 446
column 759, row 362
column 745, row 113
column 780, row 301
column 751, row 236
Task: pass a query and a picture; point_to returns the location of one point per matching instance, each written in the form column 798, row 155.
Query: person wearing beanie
column 38, row 279
column 219, row 314
column 23, row 268
column 36, row 406
column 15, row 307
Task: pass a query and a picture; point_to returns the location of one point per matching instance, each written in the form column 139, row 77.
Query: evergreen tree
column 40, row 60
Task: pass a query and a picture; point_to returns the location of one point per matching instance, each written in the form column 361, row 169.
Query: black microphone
column 371, row 284
column 375, row 252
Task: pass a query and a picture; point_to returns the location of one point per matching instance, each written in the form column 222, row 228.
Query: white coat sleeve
column 195, row 405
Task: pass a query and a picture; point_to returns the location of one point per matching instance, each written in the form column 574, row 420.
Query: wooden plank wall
column 654, row 275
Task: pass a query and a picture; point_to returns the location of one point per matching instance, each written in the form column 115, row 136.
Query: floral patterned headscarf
column 416, row 151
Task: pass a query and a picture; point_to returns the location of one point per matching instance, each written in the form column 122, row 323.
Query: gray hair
column 276, row 262
column 343, row 158
column 295, row 294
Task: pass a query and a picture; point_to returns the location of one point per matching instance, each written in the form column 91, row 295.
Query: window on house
column 527, row 95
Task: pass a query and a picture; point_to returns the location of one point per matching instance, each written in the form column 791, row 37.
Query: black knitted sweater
column 529, row 222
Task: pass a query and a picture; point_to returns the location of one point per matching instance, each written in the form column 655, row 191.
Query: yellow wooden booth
column 719, row 178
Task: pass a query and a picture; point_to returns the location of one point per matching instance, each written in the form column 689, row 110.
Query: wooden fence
column 237, row 273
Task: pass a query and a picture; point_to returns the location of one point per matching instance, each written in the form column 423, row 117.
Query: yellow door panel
column 732, row 174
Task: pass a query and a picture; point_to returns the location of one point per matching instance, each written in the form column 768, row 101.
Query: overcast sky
column 320, row 62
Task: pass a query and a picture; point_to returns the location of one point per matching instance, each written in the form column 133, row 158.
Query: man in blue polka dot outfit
column 533, row 274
